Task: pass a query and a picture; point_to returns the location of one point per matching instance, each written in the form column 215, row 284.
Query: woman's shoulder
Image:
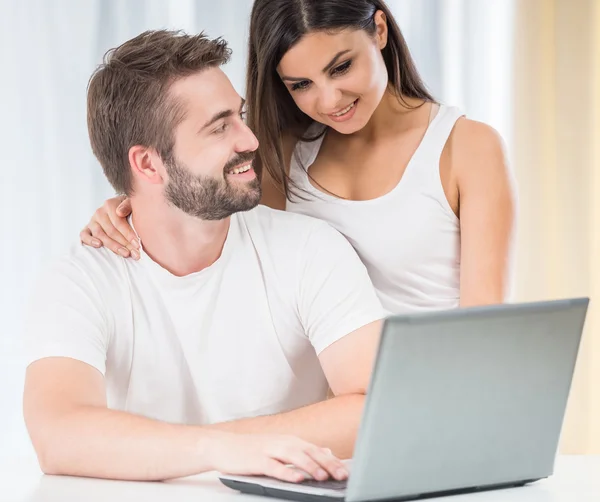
column 471, row 137
column 476, row 152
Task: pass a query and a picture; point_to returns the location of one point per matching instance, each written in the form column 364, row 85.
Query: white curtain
column 464, row 50
column 49, row 181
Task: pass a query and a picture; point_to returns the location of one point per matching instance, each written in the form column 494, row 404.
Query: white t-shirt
column 237, row 339
column 408, row 238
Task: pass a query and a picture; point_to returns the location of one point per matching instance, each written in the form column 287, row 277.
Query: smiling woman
column 302, row 84
column 361, row 47
column 353, row 136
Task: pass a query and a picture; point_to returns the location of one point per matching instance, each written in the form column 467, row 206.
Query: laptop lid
column 466, row 398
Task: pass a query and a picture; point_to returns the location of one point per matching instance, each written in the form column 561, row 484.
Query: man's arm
column 333, row 423
column 74, row 433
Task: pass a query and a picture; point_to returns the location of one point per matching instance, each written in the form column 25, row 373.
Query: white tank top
column 409, row 238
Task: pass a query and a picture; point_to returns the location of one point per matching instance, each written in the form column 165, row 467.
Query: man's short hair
column 128, row 101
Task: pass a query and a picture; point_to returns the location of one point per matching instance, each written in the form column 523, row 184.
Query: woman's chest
column 362, row 171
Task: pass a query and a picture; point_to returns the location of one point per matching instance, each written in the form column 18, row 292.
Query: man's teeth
column 239, row 170
column 345, row 110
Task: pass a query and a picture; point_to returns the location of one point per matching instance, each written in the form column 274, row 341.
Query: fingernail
column 96, row 243
column 321, row 474
column 136, row 243
column 123, row 252
column 135, row 254
column 341, row 473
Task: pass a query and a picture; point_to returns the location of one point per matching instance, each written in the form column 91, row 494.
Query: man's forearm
column 105, row 443
column 331, row 424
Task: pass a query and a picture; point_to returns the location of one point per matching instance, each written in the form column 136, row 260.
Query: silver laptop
column 460, row 401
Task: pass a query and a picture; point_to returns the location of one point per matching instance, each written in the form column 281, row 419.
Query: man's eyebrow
column 216, row 117
column 223, row 115
column 328, row 66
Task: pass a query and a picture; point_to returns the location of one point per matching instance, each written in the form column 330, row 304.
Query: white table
column 576, row 479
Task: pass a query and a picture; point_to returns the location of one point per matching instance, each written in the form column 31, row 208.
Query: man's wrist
column 209, row 447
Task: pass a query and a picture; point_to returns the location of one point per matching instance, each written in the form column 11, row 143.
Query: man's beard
column 211, row 198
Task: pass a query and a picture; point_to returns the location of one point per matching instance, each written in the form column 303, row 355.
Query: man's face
column 210, row 175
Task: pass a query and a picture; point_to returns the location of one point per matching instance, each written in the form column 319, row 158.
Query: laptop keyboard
column 328, row 484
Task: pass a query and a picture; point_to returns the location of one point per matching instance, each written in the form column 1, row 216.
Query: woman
column 348, row 133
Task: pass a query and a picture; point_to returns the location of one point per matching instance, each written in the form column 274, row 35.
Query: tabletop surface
column 576, row 479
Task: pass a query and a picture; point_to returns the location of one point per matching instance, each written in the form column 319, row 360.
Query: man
column 235, row 321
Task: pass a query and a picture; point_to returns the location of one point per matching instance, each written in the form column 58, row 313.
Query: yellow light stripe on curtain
column 594, row 341
column 556, row 157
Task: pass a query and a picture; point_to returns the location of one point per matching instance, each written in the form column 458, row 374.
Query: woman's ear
column 381, row 29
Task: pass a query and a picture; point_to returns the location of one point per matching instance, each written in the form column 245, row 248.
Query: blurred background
column 530, row 68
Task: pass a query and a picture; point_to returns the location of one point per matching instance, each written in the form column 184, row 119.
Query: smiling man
column 235, row 321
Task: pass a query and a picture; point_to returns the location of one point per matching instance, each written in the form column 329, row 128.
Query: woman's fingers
column 88, row 239
column 116, row 235
column 124, row 208
column 125, row 233
column 115, row 246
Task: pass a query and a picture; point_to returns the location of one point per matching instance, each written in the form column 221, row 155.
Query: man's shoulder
column 283, row 224
column 281, row 233
column 85, row 264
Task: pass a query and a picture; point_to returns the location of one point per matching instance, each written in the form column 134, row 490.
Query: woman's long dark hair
column 275, row 27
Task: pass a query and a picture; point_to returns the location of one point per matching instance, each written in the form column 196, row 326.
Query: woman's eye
column 300, row 86
column 243, row 115
column 343, row 68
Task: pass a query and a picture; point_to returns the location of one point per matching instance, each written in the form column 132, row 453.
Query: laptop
column 459, row 401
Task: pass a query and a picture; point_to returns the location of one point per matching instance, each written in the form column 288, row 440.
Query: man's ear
column 146, row 164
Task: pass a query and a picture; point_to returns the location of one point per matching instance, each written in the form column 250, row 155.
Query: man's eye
column 221, row 129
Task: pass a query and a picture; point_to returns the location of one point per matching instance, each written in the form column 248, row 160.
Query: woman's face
column 339, row 78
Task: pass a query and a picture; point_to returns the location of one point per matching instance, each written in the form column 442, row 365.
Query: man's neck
column 176, row 241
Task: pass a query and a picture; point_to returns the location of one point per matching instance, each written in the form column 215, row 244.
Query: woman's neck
column 391, row 117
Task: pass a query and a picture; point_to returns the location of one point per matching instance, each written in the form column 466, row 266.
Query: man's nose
column 247, row 141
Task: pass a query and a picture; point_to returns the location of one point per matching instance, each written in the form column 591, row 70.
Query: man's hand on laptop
column 272, row 455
